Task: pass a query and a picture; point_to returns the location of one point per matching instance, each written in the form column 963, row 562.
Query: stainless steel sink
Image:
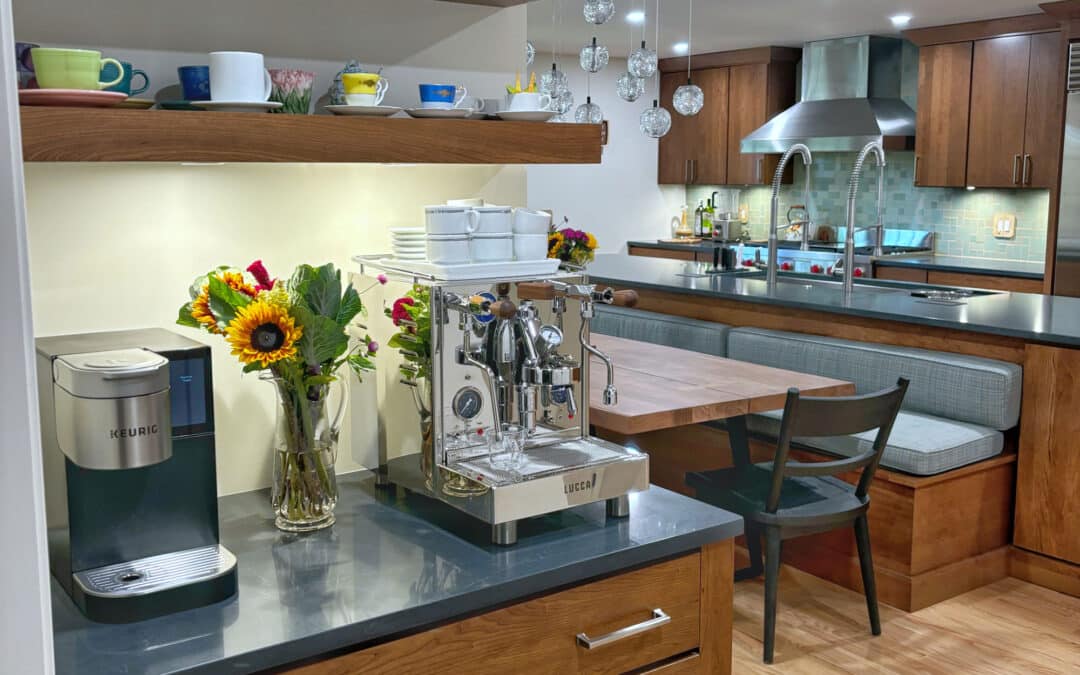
column 860, row 289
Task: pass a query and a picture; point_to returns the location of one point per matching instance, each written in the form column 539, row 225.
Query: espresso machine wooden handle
column 625, row 299
column 504, row 309
column 535, row 290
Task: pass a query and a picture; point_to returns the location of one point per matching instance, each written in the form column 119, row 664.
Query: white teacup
column 527, row 101
column 471, row 202
column 239, row 76
column 448, row 250
column 450, row 220
column 491, row 247
column 494, row 220
column 531, row 222
column 530, row 246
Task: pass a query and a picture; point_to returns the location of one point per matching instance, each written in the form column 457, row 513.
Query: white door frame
column 26, row 639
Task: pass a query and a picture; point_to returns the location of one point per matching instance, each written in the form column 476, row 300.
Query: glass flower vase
column 453, row 484
column 304, row 489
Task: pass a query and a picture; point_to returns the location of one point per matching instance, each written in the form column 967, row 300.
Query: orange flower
column 200, row 311
column 235, row 281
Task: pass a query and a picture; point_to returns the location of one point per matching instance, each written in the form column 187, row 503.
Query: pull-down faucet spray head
column 774, row 212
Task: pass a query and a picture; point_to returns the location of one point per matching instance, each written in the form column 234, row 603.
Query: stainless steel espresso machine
column 127, row 428
column 510, row 353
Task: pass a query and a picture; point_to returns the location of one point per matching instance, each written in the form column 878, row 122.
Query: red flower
column 399, row 313
column 258, row 270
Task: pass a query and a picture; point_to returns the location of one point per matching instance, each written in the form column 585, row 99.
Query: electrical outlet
column 1004, row 225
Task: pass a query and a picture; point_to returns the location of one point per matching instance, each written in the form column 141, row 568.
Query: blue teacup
column 108, row 74
column 441, row 96
column 195, row 82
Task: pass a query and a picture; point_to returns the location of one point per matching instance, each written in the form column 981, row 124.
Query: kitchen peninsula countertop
column 949, row 263
column 393, row 563
column 1039, row 318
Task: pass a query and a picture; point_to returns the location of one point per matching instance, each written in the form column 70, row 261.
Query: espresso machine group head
column 127, row 427
column 513, row 353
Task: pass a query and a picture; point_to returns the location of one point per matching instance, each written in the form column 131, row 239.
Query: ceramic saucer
column 238, row 106
column 526, row 115
column 364, row 110
column 71, row 97
column 177, row 105
column 440, row 113
column 136, row 103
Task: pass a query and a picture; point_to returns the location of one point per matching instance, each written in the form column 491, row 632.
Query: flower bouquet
column 576, row 247
column 295, row 333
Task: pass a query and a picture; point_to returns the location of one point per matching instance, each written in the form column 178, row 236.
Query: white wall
column 619, row 200
column 25, row 617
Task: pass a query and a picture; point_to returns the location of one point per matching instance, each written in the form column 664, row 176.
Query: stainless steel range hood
column 851, row 95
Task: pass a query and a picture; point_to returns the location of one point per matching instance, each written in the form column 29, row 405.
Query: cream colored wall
column 115, row 246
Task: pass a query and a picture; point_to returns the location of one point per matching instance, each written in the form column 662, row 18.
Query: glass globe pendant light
column 629, row 88
column 553, row 82
column 563, row 104
column 593, row 57
column 588, row 113
column 530, row 53
column 655, row 122
column 642, row 62
column 598, row 11
column 689, row 99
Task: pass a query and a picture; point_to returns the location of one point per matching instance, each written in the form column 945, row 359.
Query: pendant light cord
column 689, row 41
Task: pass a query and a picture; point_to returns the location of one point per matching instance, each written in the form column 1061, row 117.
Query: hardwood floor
column 1009, row 626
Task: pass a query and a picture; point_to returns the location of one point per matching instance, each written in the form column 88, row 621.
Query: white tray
column 494, row 270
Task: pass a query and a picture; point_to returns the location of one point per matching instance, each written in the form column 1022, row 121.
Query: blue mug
column 108, row 74
column 195, row 82
column 441, row 96
column 24, row 65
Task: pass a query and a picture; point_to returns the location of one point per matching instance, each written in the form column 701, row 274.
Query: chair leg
column 772, row 582
column 753, row 548
column 866, row 562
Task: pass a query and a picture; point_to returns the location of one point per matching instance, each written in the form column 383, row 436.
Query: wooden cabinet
column 547, row 634
column 1048, row 466
column 1013, row 141
column 941, row 144
column 743, row 90
column 666, row 253
column 990, row 282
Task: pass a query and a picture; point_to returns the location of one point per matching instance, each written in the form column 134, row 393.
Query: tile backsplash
column 961, row 218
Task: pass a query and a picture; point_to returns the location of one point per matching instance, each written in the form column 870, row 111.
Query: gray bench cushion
column 672, row 331
column 984, row 392
column 920, row 444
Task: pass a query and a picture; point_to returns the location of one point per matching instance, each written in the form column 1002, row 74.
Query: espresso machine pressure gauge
column 467, row 403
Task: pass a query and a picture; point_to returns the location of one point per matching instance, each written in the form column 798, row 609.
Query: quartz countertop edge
column 395, row 563
column 1031, row 317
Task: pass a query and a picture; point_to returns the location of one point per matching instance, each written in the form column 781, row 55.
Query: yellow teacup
column 366, row 89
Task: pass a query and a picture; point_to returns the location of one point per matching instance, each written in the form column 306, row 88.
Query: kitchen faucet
column 875, row 148
column 774, row 213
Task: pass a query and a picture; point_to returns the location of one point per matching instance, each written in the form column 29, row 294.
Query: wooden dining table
column 664, row 387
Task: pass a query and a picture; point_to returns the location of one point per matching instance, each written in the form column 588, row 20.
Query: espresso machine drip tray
column 156, row 573
column 545, row 461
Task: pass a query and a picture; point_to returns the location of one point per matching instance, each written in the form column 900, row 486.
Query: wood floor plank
column 1005, row 628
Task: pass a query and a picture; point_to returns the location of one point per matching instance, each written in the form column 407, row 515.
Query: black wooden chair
column 787, row 499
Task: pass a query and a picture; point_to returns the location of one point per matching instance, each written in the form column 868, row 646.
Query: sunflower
column 263, row 333
column 590, row 241
column 235, row 281
column 200, row 310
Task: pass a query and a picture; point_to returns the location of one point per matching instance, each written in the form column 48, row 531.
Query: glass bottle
column 707, row 219
column 699, row 212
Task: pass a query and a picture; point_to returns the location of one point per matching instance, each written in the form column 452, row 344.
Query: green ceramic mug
column 71, row 68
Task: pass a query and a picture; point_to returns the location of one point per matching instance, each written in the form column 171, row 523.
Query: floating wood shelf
column 105, row 135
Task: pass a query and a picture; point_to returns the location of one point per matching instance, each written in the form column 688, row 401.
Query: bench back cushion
column 671, row 331
column 965, row 388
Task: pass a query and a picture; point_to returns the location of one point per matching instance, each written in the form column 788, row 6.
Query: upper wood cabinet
column 941, row 143
column 989, row 106
column 743, row 90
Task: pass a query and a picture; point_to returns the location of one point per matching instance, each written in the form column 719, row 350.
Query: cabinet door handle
column 659, row 618
column 686, row 171
column 1016, row 169
column 916, row 169
column 1026, row 180
column 693, row 171
column 760, row 169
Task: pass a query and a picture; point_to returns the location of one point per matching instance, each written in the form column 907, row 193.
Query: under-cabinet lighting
column 900, row 20
column 971, row 188
column 680, row 47
column 636, row 16
column 202, row 163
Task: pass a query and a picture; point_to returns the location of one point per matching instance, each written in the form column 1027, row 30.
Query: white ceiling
column 721, row 25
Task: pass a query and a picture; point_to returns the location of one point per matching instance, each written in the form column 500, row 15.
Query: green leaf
column 350, row 306
column 318, row 380
column 323, row 340
column 301, row 279
column 224, row 301
column 360, row 364
column 252, row 367
column 323, row 291
column 184, row 317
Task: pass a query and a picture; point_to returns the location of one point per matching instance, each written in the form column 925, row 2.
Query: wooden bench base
column 933, row 537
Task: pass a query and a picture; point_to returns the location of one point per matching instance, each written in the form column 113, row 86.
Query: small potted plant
column 576, row 247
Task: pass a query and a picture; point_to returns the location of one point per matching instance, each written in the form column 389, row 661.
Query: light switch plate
column 1004, row 225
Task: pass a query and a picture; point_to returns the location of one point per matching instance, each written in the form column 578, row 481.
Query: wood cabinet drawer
column 662, row 253
column 989, row 282
column 690, row 664
column 541, row 635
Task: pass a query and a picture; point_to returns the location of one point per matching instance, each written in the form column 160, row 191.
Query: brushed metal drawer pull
column 1026, row 179
column 1016, row 169
column 659, row 619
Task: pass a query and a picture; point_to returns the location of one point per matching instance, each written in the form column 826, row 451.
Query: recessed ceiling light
column 636, row 16
column 900, row 20
column 680, row 47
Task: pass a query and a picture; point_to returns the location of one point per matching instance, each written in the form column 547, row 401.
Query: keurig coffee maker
column 127, row 427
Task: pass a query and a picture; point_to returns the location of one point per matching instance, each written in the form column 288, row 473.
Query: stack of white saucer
column 410, row 243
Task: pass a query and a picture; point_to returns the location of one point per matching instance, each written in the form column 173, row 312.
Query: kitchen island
column 382, row 589
column 1037, row 332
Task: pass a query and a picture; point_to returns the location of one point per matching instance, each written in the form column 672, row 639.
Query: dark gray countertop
column 949, row 263
column 394, row 562
column 702, row 247
column 1039, row 318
